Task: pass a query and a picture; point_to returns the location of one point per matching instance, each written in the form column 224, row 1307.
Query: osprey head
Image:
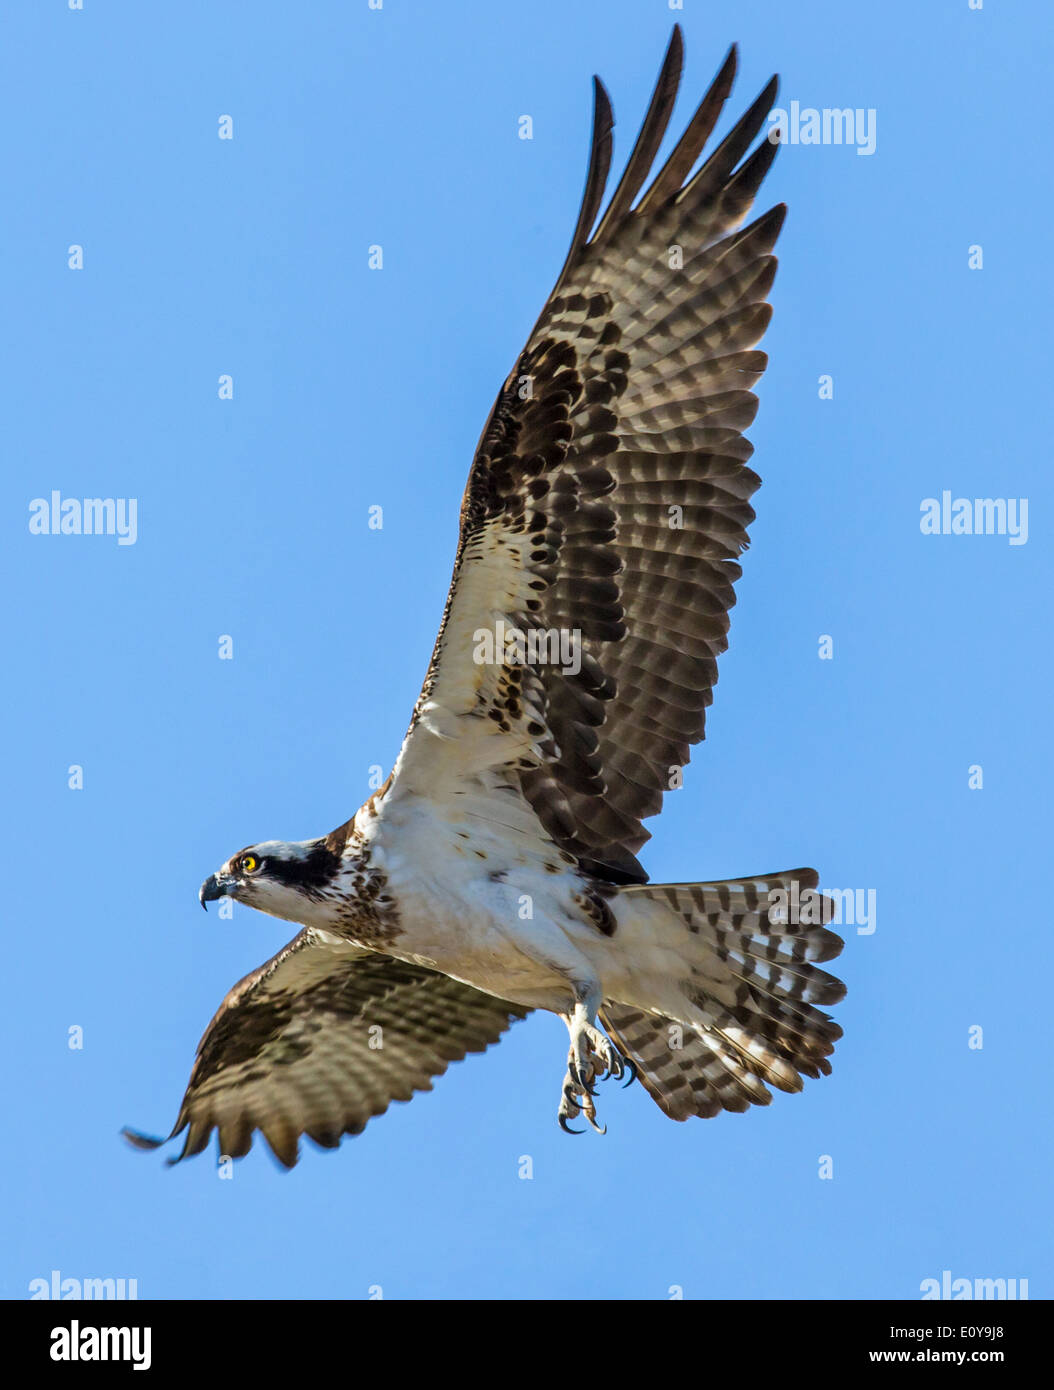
column 277, row 876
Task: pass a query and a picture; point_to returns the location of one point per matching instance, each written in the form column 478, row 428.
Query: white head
column 288, row 879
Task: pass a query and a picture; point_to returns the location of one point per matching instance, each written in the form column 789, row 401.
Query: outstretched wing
column 319, row 1039
column 608, row 499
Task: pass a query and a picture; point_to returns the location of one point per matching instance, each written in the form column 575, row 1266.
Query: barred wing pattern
column 609, row 495
column 320, row 1039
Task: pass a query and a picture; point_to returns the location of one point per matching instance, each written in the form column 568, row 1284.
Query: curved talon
column 583, row 1082
column 592, row 1058
column 590, row 1112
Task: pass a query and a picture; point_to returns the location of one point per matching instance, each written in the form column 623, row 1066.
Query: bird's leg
column 591, row 1057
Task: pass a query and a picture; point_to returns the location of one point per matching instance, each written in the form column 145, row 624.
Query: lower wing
column 320, row 1039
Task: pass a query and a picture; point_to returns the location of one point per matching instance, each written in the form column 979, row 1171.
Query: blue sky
column 355, row 388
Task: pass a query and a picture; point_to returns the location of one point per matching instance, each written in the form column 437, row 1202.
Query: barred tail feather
column 748, row 1016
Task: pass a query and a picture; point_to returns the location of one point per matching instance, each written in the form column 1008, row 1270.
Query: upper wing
column 608, row 499
column 319, row 1039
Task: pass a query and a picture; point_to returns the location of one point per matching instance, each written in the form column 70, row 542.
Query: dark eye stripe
column 317, row 869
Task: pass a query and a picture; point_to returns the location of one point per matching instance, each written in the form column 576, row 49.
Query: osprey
column 496, row 871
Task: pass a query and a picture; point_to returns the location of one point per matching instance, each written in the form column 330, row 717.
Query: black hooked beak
column 215, row 886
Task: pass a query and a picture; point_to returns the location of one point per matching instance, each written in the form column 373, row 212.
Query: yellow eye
column 249, row 864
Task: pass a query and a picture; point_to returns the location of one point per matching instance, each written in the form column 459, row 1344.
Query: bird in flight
column 496, row 870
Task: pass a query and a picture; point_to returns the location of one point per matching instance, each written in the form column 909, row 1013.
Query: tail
column 742, row 1010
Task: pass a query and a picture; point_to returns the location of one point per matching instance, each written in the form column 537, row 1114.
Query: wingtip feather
column 138, row 1140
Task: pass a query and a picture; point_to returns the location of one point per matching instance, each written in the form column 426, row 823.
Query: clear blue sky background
column 355, row 388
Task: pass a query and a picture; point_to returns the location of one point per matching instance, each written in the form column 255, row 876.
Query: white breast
column 485, row 900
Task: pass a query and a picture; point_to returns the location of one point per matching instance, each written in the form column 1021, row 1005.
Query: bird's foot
column 592, row 1057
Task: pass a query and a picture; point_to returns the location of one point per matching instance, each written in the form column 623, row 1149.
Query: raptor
column 496, row 871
